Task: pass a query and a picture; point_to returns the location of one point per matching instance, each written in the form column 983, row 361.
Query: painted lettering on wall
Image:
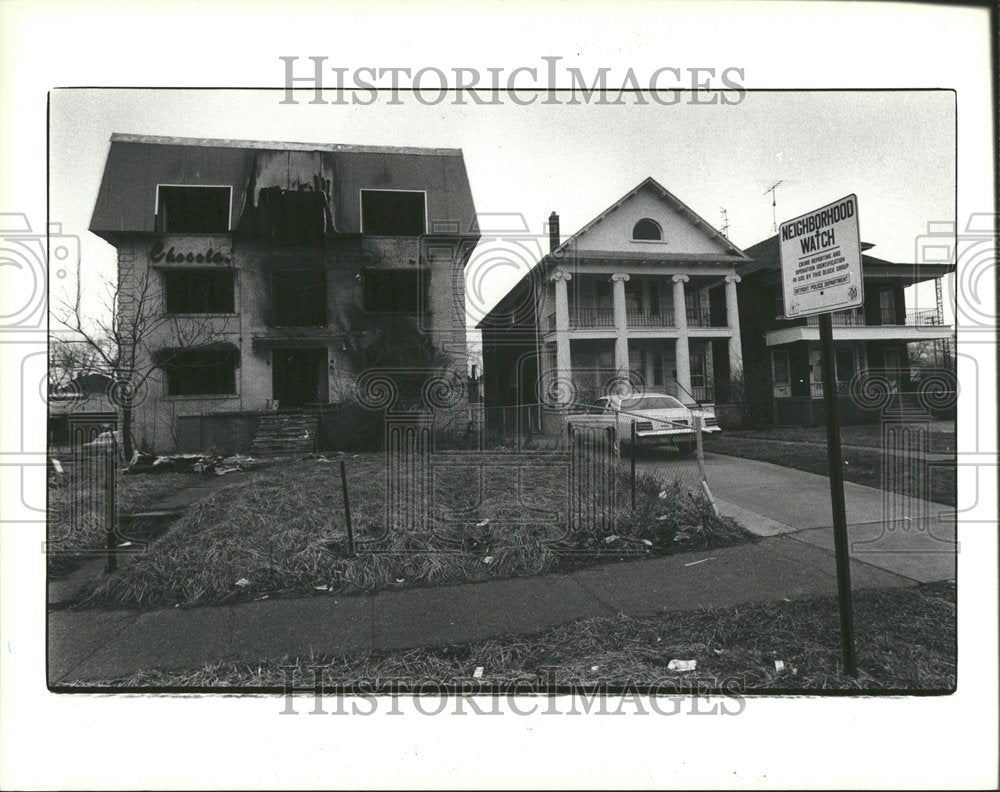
column 170, row 256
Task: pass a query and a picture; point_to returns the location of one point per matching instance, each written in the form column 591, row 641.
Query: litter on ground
column 478, row 673
column 779, row 665
column 702, row 561
column 242, row 582
column 682, row 665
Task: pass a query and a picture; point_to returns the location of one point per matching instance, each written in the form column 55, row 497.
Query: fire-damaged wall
column 310, row 287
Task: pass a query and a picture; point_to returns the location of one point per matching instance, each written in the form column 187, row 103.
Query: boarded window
column 392, row 213
column 201, row 372
column 194, row 291
column 298, row 298
column 192, row 210
column 393, row 291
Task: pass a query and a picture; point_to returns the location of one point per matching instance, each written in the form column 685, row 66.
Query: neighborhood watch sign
column 821, row 260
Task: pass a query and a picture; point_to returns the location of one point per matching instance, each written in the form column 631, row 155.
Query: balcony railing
column 698, row 319
column 592, row 317
column 639, row 318
column 887, row 317
column 841, row 319
column 926, row 317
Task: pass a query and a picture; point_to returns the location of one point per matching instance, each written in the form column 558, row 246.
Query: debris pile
column 201, row 464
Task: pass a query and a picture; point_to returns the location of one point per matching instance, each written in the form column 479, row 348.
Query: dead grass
column 905, row 642
column 76, row 503
column 282, row 531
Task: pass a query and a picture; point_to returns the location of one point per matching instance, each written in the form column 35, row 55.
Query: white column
column 621, row 323
column 681, row 354
column 733, row 320
column 564, row 367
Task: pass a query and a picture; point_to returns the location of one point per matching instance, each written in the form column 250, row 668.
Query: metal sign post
column 821, row 273
column 836, row 465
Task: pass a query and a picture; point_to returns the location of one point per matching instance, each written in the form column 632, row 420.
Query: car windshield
column 651, row 403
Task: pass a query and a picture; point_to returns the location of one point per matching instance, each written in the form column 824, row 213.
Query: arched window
column 647, row 230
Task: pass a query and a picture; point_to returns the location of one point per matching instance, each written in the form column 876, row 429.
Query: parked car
column 660, row 419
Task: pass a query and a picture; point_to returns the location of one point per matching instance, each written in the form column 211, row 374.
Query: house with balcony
column 783, row 377
column 645, row 292
column 261, row 275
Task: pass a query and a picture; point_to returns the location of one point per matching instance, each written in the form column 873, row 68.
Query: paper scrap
column 702, row 561
column 682, row 665
column 478, row 673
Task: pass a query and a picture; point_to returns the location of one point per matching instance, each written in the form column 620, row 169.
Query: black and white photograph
column 379, row 382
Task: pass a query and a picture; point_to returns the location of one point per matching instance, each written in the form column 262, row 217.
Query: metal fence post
column 111, row 506
column 700, row 456
column 347, row 509
column 632, row 455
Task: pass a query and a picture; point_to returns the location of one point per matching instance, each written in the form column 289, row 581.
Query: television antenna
column 774, row 204
column 725, row 222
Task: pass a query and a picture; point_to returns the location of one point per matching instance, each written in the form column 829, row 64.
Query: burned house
column 263, row 278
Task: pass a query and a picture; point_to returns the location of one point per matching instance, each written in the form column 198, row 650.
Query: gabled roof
column 497, row 315
column 670, row 198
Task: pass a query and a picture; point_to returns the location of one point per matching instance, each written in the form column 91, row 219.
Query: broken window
column 393, row 213
column 298, row 298
column 196, row 291
column 292, row 217
column 201, row 372
column 192, row 210
column 393, row 291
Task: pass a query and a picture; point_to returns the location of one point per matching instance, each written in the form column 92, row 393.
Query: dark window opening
column 393, row 291
column 198, row 372
column 192, row 210
column 392, row 213
column 845, row 364
column 298, row 298
column 292, row 218
column 194, row 291
column 647, row 230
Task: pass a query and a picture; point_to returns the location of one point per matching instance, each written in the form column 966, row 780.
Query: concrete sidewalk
column 95, row 645
column 905, row 536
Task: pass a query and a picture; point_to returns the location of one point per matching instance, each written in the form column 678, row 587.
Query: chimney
column 553, row 231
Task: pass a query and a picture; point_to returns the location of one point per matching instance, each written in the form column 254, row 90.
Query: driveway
column 906, row 536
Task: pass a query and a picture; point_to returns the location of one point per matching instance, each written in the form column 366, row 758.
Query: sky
column 894, row 149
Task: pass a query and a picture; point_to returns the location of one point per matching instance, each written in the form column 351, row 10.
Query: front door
column 296, row 376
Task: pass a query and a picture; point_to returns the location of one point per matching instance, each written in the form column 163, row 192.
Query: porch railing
column 887, row 317
column 929, row 316
column 639, row 318
column 841, row 319
column 703, row 393
column 591, row 317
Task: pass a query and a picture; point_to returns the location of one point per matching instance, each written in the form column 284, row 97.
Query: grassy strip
column 282, row 531
column 868, row 435
column 861, row 465
column 905, row 641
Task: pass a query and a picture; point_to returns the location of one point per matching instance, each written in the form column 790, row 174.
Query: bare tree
column 133, row 336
